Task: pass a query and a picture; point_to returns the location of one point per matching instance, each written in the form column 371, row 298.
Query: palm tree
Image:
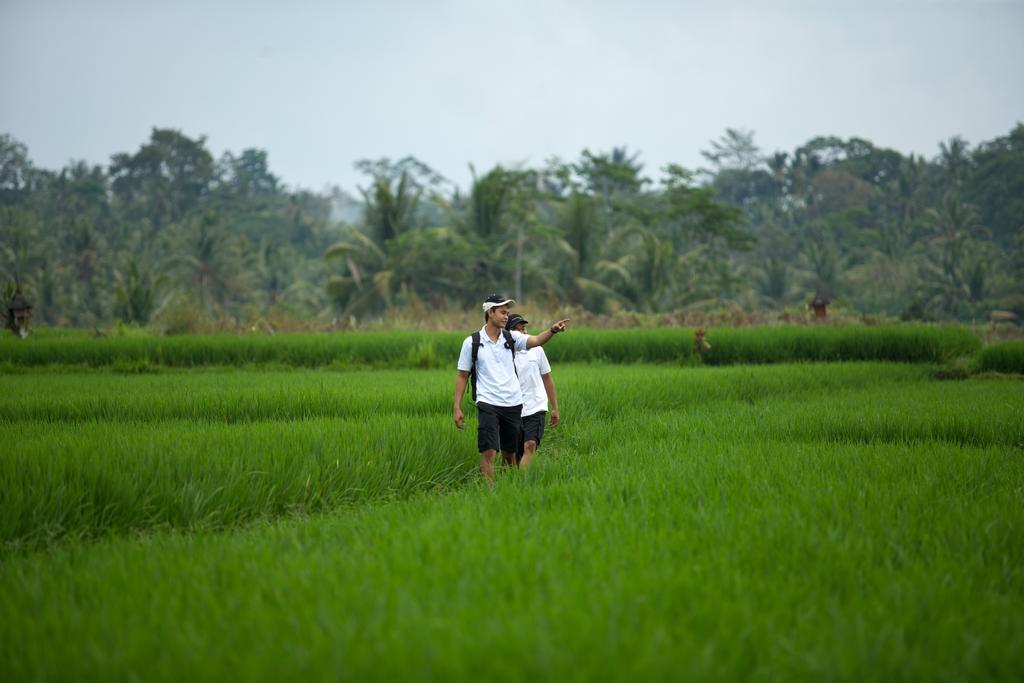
column 506, row 205
column 954, row 157
column 905, row 194
column 774, row 282
column 640, row 266
column 374, row 254
column 611, row 177
column 391, row 206
column 576, row 247
column 956, row 269
column 489, row 197
column 210, row 260
column 365, row 287
column 135, row 293
column 824, row 265
column 954, row 217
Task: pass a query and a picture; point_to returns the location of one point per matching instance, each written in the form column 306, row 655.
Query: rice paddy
column 1007, row 357
column 358, row 350
column 837, row 521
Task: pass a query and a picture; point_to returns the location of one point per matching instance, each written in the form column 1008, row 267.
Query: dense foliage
column 169, row 234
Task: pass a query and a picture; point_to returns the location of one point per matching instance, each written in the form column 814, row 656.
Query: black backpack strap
column 510, row 344
column 475, row 345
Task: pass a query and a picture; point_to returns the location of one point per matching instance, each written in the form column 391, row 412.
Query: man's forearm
column 539, row 339
column 460, row 390
column 545, row 336
column 549, row 388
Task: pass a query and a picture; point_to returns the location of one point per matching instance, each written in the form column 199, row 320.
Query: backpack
column 510, row 344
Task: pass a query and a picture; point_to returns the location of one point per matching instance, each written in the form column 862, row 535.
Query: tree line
column 168, row 231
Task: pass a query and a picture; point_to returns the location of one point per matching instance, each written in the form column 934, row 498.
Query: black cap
column 515, row 319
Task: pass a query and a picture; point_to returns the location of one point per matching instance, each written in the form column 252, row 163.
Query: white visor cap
column 488, row 305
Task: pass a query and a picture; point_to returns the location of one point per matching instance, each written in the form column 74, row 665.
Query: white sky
column 322, row 84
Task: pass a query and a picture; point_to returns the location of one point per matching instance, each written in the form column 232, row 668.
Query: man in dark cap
column 538, row 390
column 488, row 360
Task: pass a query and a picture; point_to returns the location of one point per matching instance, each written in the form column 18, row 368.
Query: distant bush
column 1005, row 357
column 182, row 317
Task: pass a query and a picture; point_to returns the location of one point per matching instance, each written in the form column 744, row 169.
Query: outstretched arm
column 461, row 377
column 549, row 387
column 545, row 336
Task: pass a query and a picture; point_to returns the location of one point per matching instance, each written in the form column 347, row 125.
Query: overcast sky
column 322, row 84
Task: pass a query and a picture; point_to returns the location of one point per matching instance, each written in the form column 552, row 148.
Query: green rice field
column 841, row 521
column 409, row 349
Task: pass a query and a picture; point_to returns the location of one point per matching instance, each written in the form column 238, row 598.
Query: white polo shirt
column 531, row 364
column 496, row 381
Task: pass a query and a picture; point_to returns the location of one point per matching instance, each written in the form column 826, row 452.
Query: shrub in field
column 1005, row 357
column 182, row 317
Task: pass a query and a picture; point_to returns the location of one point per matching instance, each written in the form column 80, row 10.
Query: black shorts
column 533, row 430
column 533, row 426
column 499, row 427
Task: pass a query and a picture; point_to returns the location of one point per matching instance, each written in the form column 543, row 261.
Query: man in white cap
column 490, row 356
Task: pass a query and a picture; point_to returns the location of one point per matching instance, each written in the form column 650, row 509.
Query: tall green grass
column 659, row 555
column 46, row 332
column 1006, row 357
column 289, row 395
column 95, row 478
column 225, row 396
column 909, row 344
column 435, row 350
column 803, row 522
column 298, row 350
column 92, row 455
